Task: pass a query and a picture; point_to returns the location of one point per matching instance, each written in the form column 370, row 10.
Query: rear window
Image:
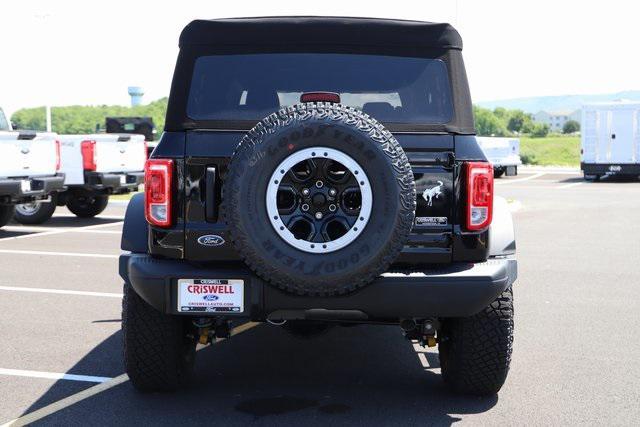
column 390, row 88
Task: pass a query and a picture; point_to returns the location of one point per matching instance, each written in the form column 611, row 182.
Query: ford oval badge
column 211, row 240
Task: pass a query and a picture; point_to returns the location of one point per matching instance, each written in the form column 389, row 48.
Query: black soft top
column 314, row 34
column 320, row 30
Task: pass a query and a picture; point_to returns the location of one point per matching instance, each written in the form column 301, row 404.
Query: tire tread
column 476, row 351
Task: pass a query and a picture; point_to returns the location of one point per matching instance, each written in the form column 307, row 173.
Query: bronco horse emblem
column 432, row 193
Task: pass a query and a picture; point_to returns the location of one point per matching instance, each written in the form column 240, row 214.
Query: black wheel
column 87, row 205
column 498, row 172
column 319, row 199
column 6, row 213
column 159, row 354
column 475, row 352
column 35, row 212
column 306, row 328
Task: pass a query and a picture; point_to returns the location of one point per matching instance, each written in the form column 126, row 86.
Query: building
column 556, row 119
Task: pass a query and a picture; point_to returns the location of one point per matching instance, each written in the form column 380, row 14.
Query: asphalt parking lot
column 576, row 353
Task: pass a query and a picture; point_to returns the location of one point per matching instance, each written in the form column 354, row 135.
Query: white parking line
column 573, row 184
column 512, row 181
column 61, row 291
column 94, row 390
column 26, row 228
column 52, row 375
column 70, row 215
column 77, row 254
column 63, row 230
column 550, row 170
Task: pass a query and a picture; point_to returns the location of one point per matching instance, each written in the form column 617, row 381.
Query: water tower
column 136, row 93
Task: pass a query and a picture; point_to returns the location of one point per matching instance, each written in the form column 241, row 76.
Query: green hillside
column 551, row 151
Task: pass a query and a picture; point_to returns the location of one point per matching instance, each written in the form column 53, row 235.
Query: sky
column 88, row 52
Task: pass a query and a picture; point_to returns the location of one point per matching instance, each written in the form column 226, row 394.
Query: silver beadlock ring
column 321, row 153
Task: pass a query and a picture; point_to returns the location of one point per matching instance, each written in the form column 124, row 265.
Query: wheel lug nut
column 305, row 207
column 319, row 184
column 332, row 207
column 318, row 215
column 305, row 191
column 333, row 192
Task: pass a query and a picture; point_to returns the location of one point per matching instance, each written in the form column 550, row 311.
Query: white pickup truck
column 95, row 166
column 29, row 168
column 503, row 153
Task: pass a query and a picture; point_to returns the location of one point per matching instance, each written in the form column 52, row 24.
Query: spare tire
column 319, row 199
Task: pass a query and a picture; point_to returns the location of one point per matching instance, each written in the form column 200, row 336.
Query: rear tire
column 158, row 354
column 497, row 173
column 6, row 213
column 87, row 205
column 475, row 351
column 35, row 213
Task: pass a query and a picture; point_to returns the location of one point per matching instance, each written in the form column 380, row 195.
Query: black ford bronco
column 316, row 172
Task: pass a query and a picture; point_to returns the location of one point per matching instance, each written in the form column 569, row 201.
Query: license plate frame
column 220, row 296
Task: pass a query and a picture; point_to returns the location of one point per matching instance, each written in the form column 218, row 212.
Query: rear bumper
column 17, row 190
column 459, row 290
column 610, row 168
column 121, row 182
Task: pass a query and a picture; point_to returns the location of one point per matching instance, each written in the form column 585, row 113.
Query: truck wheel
column 498, row 172
column 87, row 205
column 158, row 353
column 6, row 213
column 319, row 199
column 475, row 351
column 34, row 212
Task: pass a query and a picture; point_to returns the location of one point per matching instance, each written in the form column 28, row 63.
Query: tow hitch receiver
column 421, row 330
column 209, row 329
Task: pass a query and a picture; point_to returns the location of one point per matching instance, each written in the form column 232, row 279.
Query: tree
column 571, row 126
column 487, row 124
column 75, row 119
column 540, row 130
column 518, row 121
column 500, row 112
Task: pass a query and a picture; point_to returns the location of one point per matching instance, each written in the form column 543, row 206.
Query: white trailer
column 503, row 153
column 610, row 139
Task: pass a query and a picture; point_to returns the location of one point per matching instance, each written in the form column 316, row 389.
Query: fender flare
column 135, row 231
column 502, row 238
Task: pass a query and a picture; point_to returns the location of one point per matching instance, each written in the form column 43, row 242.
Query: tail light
column 88, row 150
column 57, row 156
column 479, row 195
column 146, row 149
column 158, row 175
